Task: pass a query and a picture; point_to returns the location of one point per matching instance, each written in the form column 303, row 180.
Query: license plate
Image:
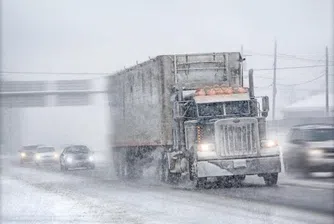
column 239, row 163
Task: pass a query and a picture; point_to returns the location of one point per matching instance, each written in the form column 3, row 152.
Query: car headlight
column 268, row 143
column 69, row 159
column 56, row 156
column 208, row 147
column 23, row 154
column 90, row 158
column 315, row 152
column 38, row 156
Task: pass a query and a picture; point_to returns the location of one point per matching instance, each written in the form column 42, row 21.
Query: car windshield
column 319, row 135
column 30, row 147
column 78, row 149
column 46, row 149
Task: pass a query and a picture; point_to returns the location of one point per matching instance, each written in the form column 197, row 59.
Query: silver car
column 310, row 149
column 76, row 156
column 46, row 155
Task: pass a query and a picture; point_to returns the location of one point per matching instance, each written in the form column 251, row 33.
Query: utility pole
column 327, row 103
column 274, row 82
column 242, row 50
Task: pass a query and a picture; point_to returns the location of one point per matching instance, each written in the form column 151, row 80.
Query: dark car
column 310, row 149
column 76, row 156
column 27, row 153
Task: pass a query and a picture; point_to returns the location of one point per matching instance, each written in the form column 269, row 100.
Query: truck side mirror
column 265, row 104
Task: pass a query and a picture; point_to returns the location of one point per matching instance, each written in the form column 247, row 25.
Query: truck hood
column 324, row 144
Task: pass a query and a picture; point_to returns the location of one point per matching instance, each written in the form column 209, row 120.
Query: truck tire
column 164, row 172
column 270, row 179
column 225, row 182
column 133, row 168
column 130, row 170
column 234, row 181
column 118, row 159
column 197, row 182
column 165, row 175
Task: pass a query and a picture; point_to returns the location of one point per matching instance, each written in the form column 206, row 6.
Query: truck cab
column 226, row 135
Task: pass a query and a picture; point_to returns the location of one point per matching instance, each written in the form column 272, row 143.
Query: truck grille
column 328, row 152
column 237, row 137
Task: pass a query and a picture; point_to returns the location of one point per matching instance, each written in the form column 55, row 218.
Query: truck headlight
column 69, row 160
column 208, row 147
column 90, row 158
column 268, row 143
column 55, row 156
column 315, row 152
column 38, row 156
column 23, row 154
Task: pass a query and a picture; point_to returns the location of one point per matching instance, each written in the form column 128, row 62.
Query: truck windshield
column 223, row 109
column 210, row 109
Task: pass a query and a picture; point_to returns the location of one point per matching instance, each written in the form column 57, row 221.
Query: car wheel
column 270, row 179
column 305, row 173
column 63, row 167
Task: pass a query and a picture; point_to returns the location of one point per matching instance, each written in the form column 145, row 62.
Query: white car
column 46, row 155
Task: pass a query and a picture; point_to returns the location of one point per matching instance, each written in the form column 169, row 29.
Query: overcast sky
column 104, row 36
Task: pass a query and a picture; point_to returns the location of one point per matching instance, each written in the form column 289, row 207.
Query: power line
column 262, row 87
column 263, row 77
column 287, row 68
column 302, row 83
column 287, row 56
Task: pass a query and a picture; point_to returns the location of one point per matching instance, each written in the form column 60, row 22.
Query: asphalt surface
column 291, row 200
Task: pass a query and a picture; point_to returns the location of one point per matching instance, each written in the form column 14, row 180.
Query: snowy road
column 31, row 195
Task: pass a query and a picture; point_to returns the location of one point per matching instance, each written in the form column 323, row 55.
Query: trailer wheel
column 133, row 168
column 119, row 162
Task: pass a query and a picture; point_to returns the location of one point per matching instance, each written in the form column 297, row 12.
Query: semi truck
column 193, row 114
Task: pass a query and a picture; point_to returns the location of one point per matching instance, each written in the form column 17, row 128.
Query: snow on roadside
column 26, row 204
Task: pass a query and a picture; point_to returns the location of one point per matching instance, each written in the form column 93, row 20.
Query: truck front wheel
column 196, row 181
column 270, row 179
